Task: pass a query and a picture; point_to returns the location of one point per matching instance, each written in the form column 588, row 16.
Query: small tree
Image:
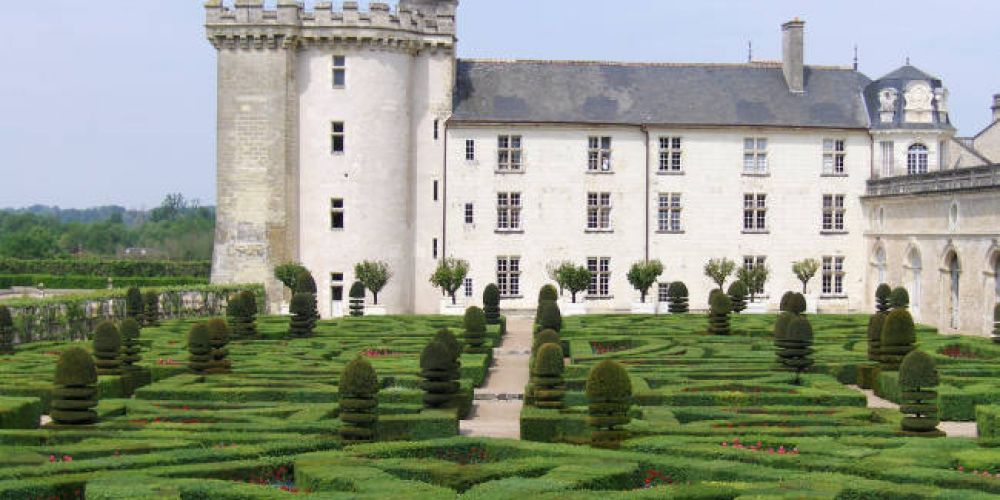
column 288, row 273
column 302, row 322
column 374, row 275
column 805, row 270
column 755, row 278
column 449, row 276
column 130, row 349
column 107, row 349
column 547, row 377
column 898, row 337
column 6, row 331
column 437, row 370
column 133, row 304
column 358, row 388
column 900, row 298
column 918, row 379
column 719, row 270
column 75, row 394
column 199, row 349
column 795, row 346
column 738, row 296
column 241, row 311
column 357, row 302
column 875, row 324
column 574, row 278
column 151, row 309
column 643, row 275
column 474, row 323
column 882, row 295
column 678, row 298
column 718, row 316
column 491, row 304
column 552, row 270
column 609, row 397
column 218, row 339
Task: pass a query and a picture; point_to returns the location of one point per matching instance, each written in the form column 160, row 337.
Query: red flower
column 52, row 458
column 67, row 458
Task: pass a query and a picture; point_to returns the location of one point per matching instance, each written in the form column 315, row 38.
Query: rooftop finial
column 907, row 60
column 749, row 51
column 855, row 57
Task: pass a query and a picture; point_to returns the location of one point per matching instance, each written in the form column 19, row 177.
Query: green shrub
column 107, row 349
column 898, row 337
column 795, row 348
column 358, row 389
column 218, row 339
column 304, row 283
column 900, row 298
column 133, row 304
column 151, row 309
column 303, row 320
column 875, row 324
column 718, row 315
column 6, row 331
column 19, row 413
column 781, row 324
column 547, row 292
column 357, row 302
column 643, row 274
column 547, row 377
column 491, row 304
column 199, row 348
column 738, row 296
column 374, row 275
column 129, row 329
column 918, row 378
column 786, row 297
column 547, row 336
column 796, row 303
column 677, row 296
column 882, row 296
column 609, row 397
column 549, row 316
column 454, row 348
column 241, row 311
column 74, row 397
column 288, row 274
column 438, row 370
column 474, row 324
column 106, row 267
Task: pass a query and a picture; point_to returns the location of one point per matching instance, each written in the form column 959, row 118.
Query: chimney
column 793, row 54
column 996, row 107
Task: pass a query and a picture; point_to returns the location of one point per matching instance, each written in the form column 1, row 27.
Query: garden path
column 952, row 429
column 496, row 411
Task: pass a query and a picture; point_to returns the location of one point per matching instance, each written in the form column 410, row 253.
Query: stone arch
column 879, row 261
column 914, row 280
column 952, row 269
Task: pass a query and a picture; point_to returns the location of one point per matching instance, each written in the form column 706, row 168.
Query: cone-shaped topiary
column 996, row 323
column 357, row 299
column 781, row 324
column 898, row 337
column 738, row 296
column 718, row 313
column 491, row 304
column 438, row 371
column 609, row 397
column 882, row 295
column 6, row 331
column 677, row 297
column 918, row 378
column 107, row 349
column 786, row 297
column 547, row 377
column 795, row 348
column 900, row 298
column 199, row 348
column 75, row 394
column 549, row 316
column 474, row 324
column 133, row 304
column 541, row 338
column 447, row 338
column 302, row 321
column 218, row 339
column 129, row 329
column 304, row 283
column 151, row 309
column 241, row 312
column 875, row 324
column 358, row 389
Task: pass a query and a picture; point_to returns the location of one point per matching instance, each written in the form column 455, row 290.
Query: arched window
column 954, row 272
column 916, row 159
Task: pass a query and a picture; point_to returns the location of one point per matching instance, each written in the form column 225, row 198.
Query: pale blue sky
column 112, row 101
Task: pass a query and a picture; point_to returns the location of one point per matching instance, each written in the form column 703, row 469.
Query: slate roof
column 898, row 80
column 667, row 94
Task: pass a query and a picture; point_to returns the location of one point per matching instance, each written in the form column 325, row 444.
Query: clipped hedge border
column 76, row 282
column 107, row 267
column 20, row 413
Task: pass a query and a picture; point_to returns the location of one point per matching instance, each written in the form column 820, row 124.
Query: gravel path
column 496, row 413
column 952, row 429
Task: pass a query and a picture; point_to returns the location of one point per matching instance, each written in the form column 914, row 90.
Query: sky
column 113, row 102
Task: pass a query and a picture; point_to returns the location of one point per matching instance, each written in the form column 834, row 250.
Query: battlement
column 290, row 22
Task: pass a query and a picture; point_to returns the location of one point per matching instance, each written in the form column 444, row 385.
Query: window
column 435, row 190
column 509, row 276
column 752, row 261
column 434, row 248
column 508, row 211
column 469, row 213
column 833, row 275
column 833, row 212
column 509, row 153
column 337, row 213
column 755, row 212
column 834, row 157
column 663, row 292
column 599, row 211
column 755, row 156
column 942, row 155
column 336, row 287
column 339, row 72
column 467, row 287
column 337, row 137
column 888, row 157
column 599, row 154
column 670, row 155
column 470, row 150
column 669, row 216
column 600, row 277
column 437, row 127
column 916, row 159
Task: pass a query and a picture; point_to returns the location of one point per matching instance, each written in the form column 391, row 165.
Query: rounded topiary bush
column 549, row 316
column 918, row 378
column 900, row 298
column 875, row 324
column 786, row 297
column 795, row 347
column 781, row 324
column 356, row 305
column 438, row 370
column 738, row 296
column 150, row 309
column 796, row 303
column 491, row 304
column 474, row 325
column 898, row 337
column 129, row 329
column 304, row 283
column 718, row 315
column 547, row 377
column 133, row 304
column 218, row 339
column 107, row 349
column 358, row 388
column 303, row 312
column 547, row 292
column 241, row 311
column 199, row 348
column 75, row 394
column 6, row 331
column 445, row 337
column 882, row 295
column 545, row 336
column 677, row 298
column 609, row 397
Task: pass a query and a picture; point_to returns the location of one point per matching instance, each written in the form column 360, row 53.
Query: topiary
column 786, row 297
column 677, row 296
column 133, row 304
column 151, row 309
column 738, row 296
column 898, row 337
column 547, row 377
column 357, row 303
column 491, row 304
column 875, row 324
column 996, row 323
column 796, row 303
column 303, row 319
column 541, row 338
column 547, row 292
column 75, row 394
column 882, row 294
column 437, row 369
column 6, row 331
column 781, row 324
column 795, row 347
column 917, row 379
column 304, row 283
column 900, row 298
column 199, row 349
column 474, row 325
column 549, row 316
column 241, row 311
column 129, row 330
column 718, row 313
column 107, row 349
column 218, row 339
column 358, row 388
column 609, row 397
column 447, row 338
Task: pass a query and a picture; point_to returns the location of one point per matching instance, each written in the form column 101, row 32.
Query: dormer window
column 916, row 159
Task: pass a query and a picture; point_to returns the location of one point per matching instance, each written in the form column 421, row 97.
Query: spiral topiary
column 474, row 324
column 996, row 323
column 75, row 394
column 677, row 298
column 882, row 295
column 898, row 337
column 356, row 305
column 795, row 347
column 358, row 389
column 547, row 377
column 875, row 324
column 107, row 349
column 437, row 368
column 303, row 318
column 133, row 304
column 738, row 296
column 151, row 309
column 900, row 298
column 491, row 304
column 718, row 313
column 609, row 397
column 549, row 316
column 200, row 349
column 6, row 331
column 129, row 329
column 918, row 378
column 241, row 311
column 218, row 339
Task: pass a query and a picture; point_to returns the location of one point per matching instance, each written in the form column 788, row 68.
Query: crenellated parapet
column 248, row 24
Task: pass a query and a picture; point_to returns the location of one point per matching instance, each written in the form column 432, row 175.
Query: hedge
column 20, row 413
column 75, row 282
column 105, row 268
column 988, row 422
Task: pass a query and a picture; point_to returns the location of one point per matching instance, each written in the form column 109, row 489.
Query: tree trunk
column 804, row 283
column 643, row 296
column 375, row 297
column 454, row 300
column 574, row 297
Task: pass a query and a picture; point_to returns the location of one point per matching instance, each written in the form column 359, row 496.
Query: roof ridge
column 568, row 62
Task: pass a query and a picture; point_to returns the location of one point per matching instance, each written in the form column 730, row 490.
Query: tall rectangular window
column 509, row 276
column 888, row 150
column 833, row 212
column 599, row 154
column 467, row 287
column 663, row 292
column 834, row 157
column 470, row 150
column 509, row 153
column 942, row 155
column 833, row 275
column 469, row 213
column 339, row 72
column 755, row 155
column 434, row 248
column 669, row 216
column 670, row 155
column 752, row 261
column 600, row 277
column 599, row 211
column 337, row 134
column 754, row 212
column 435, row 190
column 508, row 211
column 336, row 213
